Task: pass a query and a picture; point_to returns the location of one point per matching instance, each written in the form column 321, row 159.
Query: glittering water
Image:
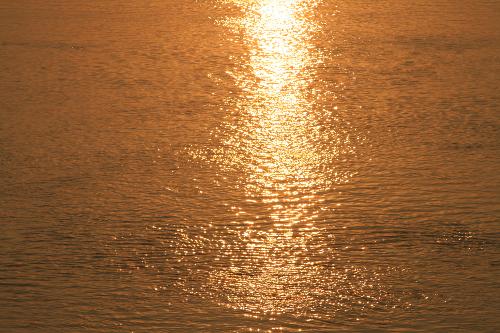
column 258, row 165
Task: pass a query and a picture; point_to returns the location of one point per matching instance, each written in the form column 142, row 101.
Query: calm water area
column 249, row 166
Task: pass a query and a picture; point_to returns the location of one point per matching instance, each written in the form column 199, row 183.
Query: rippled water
column 259, row 165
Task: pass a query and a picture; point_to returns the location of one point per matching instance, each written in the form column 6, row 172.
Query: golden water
column 259, row 165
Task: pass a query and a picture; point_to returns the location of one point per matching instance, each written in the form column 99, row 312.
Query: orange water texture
column 249, row 166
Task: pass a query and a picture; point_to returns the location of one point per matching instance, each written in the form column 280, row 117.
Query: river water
column 249, row 166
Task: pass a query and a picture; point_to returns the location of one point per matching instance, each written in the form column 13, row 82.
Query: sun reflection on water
column 276, row 136
column 284, row 147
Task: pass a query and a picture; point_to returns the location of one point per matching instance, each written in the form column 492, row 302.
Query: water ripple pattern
column 249, row 166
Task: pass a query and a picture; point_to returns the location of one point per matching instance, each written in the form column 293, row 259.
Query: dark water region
column 249, row 166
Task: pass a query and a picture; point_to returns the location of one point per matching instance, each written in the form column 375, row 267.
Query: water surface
column 238, row 166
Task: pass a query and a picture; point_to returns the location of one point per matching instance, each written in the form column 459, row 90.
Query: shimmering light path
column 282, row 135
